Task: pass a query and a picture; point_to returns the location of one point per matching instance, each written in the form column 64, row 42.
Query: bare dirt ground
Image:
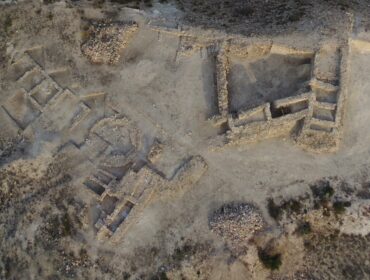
column 184, row 139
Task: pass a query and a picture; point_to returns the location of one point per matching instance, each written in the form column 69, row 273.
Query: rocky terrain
column 177, row 139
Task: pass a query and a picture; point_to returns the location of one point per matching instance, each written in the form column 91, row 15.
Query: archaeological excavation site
column 185, row 139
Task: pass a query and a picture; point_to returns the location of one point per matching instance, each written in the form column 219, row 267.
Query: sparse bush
column 297, row 14
column 98, row 4
column 246, row 11
column 340, row 206
column 303, row 228
column 66, row 225
column 363, row 194
column 274, row 209
column 148, row 3
column 270, row 261
column 122, row 1
column 50, row 16
column 322, row 192
column 126, row 275
column 131, row 3
column 7, row 23
column 47, row 2
column 160, row 276
column 291, row 206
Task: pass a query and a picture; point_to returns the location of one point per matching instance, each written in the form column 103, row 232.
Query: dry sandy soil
column 184, row 139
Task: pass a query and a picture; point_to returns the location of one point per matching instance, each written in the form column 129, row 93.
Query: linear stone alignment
column 322, row 124
column 135, row 191
column 40, row 105
column 222, row 68
column 35, row 89
column 311, row 114
column 120, row 180
column 103, row 143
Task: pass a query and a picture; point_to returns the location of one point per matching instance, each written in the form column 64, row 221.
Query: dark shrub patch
column 340, row 206
column 274, row 210
column 303, row 227
column 270, row 261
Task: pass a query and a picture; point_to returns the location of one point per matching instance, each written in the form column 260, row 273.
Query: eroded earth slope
column 184, row 140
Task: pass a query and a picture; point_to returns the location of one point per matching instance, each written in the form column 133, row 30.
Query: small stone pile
column 107, row 40
column 237, row 223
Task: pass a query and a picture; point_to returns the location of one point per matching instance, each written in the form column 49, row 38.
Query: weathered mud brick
column 20, row 67
column 9, row 128
column 45, row 91
column 31, row 79
column 21, row 109
column 60, row 113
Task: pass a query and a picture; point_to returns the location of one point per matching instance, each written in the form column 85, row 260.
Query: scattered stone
column 107, row 41
column 237, row 223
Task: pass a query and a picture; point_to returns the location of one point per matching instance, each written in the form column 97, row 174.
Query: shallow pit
column 271, row 77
